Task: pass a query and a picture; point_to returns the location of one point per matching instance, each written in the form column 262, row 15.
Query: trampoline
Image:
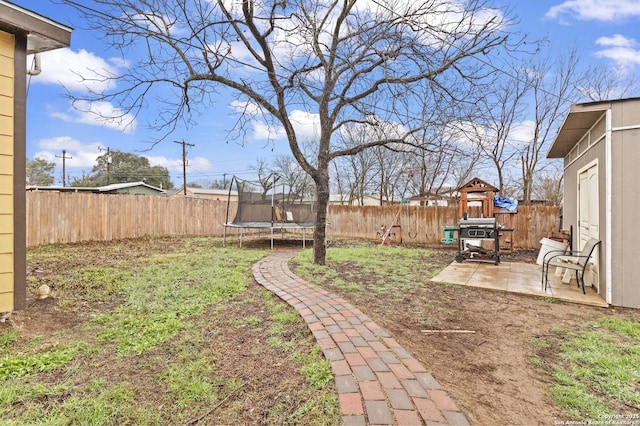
column 276, row 208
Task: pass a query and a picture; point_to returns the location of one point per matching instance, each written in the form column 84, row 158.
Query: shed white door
column 588, row 218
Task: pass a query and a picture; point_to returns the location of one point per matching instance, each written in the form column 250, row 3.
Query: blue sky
column 606, row 31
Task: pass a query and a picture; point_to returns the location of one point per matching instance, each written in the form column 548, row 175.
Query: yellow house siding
column 7, row 46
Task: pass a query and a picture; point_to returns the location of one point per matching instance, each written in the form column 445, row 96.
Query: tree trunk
column 319, row 234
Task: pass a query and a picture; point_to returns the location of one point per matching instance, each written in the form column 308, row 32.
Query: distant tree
column 601, row 83
column 219, row 183
column 548, row 187
column 40, row 172
column 298, row 182
column 355, row 174
column 503, row 108
column 554, row 84
column 267, row 179
column 125, row 167
column 453, row 154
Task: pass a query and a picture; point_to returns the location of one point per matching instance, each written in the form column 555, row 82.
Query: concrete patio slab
column 522, row 278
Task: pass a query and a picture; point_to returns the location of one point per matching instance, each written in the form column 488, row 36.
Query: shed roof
column 579, row 119
column 43, row 34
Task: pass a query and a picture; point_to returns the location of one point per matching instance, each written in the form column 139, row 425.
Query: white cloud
column 245, row 107
column 79, row 155
column 522, row 132
column 306, row 124
column 598, row 10
column 159, row 23
column 78, row 72
column 98, row 113
column 622, row 50
column 617, row 40
column 266, row 132
column 199, row 164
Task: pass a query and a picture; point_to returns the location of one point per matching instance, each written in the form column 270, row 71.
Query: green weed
column 7, row 339
column 189, row 381
column 318, row 373
column 597, row 371
column 51, row 359
column 252, row 320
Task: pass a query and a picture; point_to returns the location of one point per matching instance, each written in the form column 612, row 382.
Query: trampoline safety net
column 272, row 205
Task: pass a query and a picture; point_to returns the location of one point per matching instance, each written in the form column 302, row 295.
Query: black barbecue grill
column 481, row 229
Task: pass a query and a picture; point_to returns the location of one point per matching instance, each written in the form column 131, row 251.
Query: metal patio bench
column 577, row 261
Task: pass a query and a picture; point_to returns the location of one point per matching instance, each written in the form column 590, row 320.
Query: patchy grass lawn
column 157, row 331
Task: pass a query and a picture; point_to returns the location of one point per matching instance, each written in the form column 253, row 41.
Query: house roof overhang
column 43, row 34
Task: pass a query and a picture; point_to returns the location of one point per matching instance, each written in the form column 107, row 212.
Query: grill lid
column 479, row 222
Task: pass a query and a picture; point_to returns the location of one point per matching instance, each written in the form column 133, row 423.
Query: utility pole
column 64, row 166
column 109, row 159
column 184, row 164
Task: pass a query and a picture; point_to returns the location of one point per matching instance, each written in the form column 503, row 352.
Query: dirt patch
column 484, row 361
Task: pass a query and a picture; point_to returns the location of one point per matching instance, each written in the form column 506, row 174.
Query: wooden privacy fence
column 420, row 224
column 57, row 217
column 61, row 217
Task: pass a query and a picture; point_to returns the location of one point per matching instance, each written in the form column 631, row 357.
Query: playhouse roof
column 477, row 185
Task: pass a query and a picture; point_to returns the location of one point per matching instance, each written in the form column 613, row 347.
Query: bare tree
column 602, row 83
column 297, row 182
column 355, row 173
column 344, row 61
column 548, row 187
column 553, row 82
column 503, row 108
column 450, row 155
column 267, row 179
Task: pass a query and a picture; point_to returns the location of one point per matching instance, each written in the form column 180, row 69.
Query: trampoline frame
column 272, row 226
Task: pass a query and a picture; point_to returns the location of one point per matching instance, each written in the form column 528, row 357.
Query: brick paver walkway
column 378, row 382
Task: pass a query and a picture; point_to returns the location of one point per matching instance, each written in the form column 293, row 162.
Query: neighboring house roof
column 579, row 120
column 43, row 33
column 116, row 188
column 127, row 187
column 212, row 193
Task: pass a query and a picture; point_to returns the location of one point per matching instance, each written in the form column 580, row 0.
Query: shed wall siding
column 625, row 204
column 7, row 81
